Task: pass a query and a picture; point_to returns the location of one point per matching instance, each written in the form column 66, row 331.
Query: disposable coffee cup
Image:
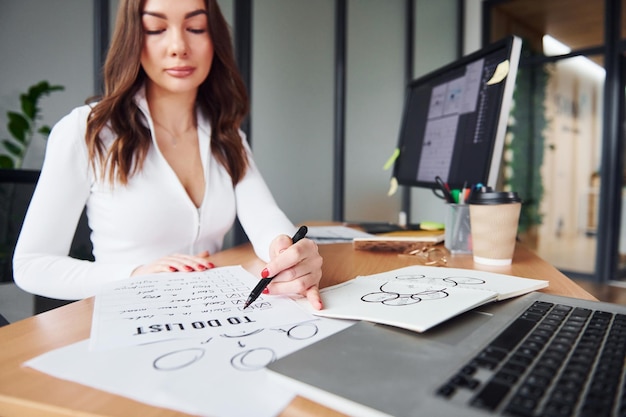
column 494, row 219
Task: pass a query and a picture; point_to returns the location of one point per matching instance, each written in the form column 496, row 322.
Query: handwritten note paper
column 184, row 305
column 184, row 342
column 222, row 375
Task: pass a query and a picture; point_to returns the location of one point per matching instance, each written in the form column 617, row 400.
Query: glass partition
column 555, row 145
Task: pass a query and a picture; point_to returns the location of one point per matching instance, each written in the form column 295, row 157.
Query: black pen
column 264, row 282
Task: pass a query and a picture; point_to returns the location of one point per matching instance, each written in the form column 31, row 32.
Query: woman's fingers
column 176, row 263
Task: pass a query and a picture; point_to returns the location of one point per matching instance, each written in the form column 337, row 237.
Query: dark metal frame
column 611, row 167
column 100, row 41
column 341, row 23
column 243, row 51
column 409, row 57
column 243, row 54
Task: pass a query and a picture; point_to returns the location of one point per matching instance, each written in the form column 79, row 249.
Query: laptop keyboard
column 553, row 360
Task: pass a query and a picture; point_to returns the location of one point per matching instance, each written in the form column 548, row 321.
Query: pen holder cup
column 458, row 236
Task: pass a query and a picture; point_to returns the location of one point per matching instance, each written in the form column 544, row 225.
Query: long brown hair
column 221, row 97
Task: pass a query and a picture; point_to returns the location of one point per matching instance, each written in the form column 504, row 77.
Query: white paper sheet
column 184, row 305
column 222, row 375
column 419, row 297
column 334, row 234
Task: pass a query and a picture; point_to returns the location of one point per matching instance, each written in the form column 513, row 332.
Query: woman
column 160, row 164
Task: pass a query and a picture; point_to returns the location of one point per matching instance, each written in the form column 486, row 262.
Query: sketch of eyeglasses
column 412, row 289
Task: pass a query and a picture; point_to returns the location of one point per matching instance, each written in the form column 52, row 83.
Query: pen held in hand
column 264, row 282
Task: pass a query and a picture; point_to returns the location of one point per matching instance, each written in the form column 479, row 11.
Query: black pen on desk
column 264, row 282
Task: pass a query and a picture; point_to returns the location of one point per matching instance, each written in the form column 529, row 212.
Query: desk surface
column 25, row 392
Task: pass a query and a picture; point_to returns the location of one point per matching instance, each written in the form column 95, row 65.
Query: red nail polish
column 266, row 290
column 211, row 265
column 173, row 269
column 265, row 273
column 202, row 267
column 188, row 268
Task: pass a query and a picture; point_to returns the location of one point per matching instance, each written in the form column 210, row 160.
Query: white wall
column 292, row 100
column 45, row 40
column 292, row 103
column 435, row 46
column 472, row 38
column 292, row 89
column 375, row 95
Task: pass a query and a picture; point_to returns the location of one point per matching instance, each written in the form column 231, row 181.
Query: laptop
column 534, row 355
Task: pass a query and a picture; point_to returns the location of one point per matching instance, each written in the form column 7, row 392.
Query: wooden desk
column 25, row 392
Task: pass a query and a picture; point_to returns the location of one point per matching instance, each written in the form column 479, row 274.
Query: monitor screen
column 455, row 119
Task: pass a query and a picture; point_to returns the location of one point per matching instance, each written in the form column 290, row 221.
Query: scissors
column 442, row 190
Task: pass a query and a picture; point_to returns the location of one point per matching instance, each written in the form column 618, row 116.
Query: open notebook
column 418, row 297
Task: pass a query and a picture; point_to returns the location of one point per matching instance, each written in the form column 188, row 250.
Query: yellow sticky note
column 502, row 70
column 392, row 159
column 393, row 186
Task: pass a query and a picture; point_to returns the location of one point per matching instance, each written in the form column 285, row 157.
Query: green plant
column 22, row 126
column 527, row 145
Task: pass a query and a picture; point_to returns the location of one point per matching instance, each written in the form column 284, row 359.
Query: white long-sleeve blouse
column 152, row 216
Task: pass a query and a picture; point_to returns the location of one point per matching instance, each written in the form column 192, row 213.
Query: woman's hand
column 176, row 263
column 296, row 268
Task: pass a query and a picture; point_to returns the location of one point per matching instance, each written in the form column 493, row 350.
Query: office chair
column 16, row 189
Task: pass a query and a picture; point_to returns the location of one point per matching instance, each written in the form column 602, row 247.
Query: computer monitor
column 455, row 119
